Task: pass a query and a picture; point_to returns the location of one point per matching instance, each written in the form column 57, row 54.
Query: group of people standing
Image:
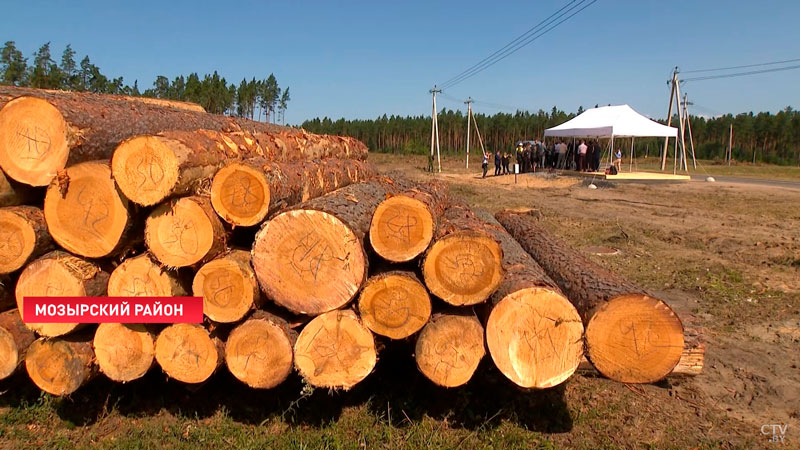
column 533, row 155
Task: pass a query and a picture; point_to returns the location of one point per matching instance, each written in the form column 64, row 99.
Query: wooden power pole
column 469, row 114
column 673, row 83
column 435, row 133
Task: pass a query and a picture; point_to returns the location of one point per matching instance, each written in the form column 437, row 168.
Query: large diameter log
column 124, row 352
column 335, row 350
column 184, row 232
column 449, row 348
column 228, row 287
column 394, row 304
column 259, row 351
column 59, row 274
column 403, row 225
column 311, row 259
column 84, row 211
column 8, row 93
column 15, row 338
column 141, row 276
column 60, row 366
column 23, row 236
column 244, row 193
column 631, row 336
column 187, row 352
column 464, row 264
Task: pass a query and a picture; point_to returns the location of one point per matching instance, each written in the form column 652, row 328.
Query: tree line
column 254, row 99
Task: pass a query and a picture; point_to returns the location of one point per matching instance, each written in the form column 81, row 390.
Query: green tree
column 69, row 69
column 13, row 65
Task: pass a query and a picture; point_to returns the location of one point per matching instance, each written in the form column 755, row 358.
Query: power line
column 500, row 106
column 772, row 63
column 741, row 74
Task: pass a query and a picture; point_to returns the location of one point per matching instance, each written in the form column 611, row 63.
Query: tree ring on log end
column 17, row 241
column 54, row 366
column 463, row 268
column 401, row 228
column 240, row 194
column 449, row 349
column 259, row 354
column 309, row 261
column 634, row 338
column 227, row 296
column 140, row 277
column 48, row 278
column 146, row 168
column 186, row 352
column 180, row 234
column 394, row 306
column 535, row 337
column 33, row 140
column 9, row 354
column 124, row 352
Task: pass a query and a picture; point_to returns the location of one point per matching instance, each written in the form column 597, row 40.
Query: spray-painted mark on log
column 182, row 236
column 38, row 143
column 11, row 242
column 95, row 208
column 309, row 255
column 399, row 227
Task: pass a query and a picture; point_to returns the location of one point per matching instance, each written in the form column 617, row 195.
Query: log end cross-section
column 184, row 232
column 449, row 348
column 188, row 353
column 394, row 304
column 60, row 366
column 23, row 235
column 124, row 352
column 401, row 229
column 240, row 193
column 146, row 168
column 228, row 287
column 259, row 351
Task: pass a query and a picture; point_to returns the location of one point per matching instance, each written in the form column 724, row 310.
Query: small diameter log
column 124, row 352
column 15, row 338
column 60, row 366
column 311, row 259
column 13, row 193
column 188, row 353
column 394, row 304
column 259, row 351
column 631, row 336
column 228, row 287
column 244, row 193
column 335, row 350
column 23, row 236
column 59, row 274
column 141, row 276
column 449, row 348
column 403, row 225
column 84, row 211
column 464, row 264
column 184, row 232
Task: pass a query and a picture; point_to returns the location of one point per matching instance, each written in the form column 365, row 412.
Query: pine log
column 450, row 347
column 184, row 232
column 335, row 350
column 23, row 236
column 85, row 213
column 259, row 351
column 15, row 338
column 13, row 193
column 311, row 259
column 62, row 275
column 228, row 287
column 394, row 304
column 631, row 336
column 187, row 352
column 124, row 352
column 141, row 276
column 464, row 264
column 8, row 93
column 61, row 365
column 244, row 193
column 403, row 225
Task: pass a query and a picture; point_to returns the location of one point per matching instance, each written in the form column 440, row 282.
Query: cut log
column 394, row 304
column 60, row 366
column 311, row 259
column 15, row 338
column 464, row 264
column 631, row 336
column 335, row 350
column 184, row 232
column 124, row 352
column 13, row 193
column 187, row 352
column 23, row 236
column 244, row 193
column 403, row 225
column 85, row 213
column 141, row 276
column 59, row 274
column 8, row 93
column 228, row 287
column 449, row 348
column 259, row 351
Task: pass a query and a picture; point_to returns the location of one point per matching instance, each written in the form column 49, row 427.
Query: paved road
column 757, row 181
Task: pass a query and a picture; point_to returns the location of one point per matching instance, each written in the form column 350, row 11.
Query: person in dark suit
column 497, row 161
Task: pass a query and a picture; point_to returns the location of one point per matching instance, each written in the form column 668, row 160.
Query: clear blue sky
column 360, row 59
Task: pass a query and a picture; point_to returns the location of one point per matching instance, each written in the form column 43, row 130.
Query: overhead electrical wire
column 740, row 74
column 771, row 63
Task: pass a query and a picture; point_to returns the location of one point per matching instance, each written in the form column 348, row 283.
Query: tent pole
column 631, row 167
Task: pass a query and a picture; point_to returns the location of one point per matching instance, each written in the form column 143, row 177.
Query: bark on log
column 631, row 336
column 394, row 304
column 141, row 276
column 184, row 232
column 450, row 347
column 15, row 338
column 244, row 193
column 403, row 225
column 60, row 366
column 13, row 193
column 228, row 287
column 85, row 213
column 7, row 300
column 62, row 275
column 23, row 237
column 335, row 350
column 187, row 352
column 259, row 351
column 8, row 93
column 464, row 264
column 124, row 352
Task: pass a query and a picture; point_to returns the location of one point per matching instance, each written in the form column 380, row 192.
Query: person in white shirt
column 582, row 156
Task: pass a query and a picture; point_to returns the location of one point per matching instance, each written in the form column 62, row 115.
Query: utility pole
column 682, row 130
column 469, row 115
column 435, row 132
column 672, row 84
column 730, row 145
column 686, row 104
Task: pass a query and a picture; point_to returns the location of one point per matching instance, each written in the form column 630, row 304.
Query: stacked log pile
column 271, row 226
